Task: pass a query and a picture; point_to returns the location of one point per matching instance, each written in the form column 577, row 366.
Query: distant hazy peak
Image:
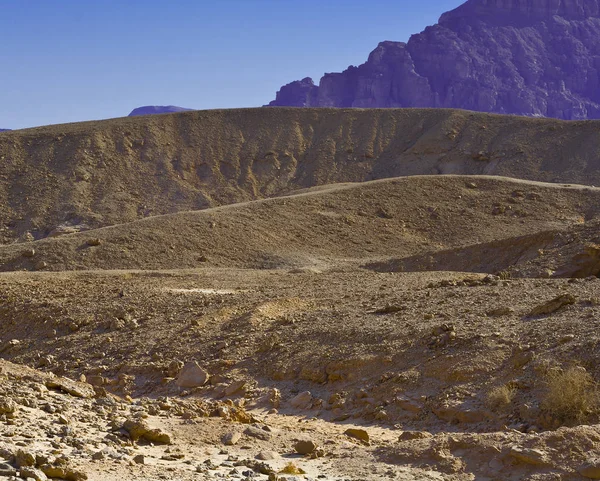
column 156, row 109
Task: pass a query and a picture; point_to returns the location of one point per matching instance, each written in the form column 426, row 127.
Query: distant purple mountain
column 156, row 109
column 524, row 57
column 4, row 130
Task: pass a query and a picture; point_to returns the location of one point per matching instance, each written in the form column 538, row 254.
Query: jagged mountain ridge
column 533, row 58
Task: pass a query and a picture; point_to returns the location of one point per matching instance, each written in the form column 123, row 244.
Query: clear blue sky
column 72, row 60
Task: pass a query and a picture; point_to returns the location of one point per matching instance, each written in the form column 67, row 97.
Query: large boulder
column 192, row 375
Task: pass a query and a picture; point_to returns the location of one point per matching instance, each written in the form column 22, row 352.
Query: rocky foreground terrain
column 524, row 57
column 230, row 357
column 335, row 317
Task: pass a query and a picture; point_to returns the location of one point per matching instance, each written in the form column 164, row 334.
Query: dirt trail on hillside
column 330, row 226
column 64, row 178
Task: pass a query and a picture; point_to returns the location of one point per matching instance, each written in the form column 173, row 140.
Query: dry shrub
column 500, row 397
column 571, row 395
column 291, row 468
column 504, row 275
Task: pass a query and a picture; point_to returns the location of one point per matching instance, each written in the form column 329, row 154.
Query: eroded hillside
column 70, row 177
column 339, row 224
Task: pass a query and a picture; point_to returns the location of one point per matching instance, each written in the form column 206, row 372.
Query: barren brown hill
column 272, row 336
column 332, row 225
column 70, row 177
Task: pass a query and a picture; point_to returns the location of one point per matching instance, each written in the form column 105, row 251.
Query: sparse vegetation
column 291, row 468
column 571, row 395
column 500, row 397
column 504, row 275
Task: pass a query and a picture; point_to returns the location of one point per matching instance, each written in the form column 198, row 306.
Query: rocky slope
column 448, row 376
column 335, row 225
column 534, row 58
column 65, row 178
column 56, row 428
column 156, row 109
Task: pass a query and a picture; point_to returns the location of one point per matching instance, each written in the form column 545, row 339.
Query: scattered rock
column 500, row 311
column 7, row 406
column 257, row 433
column 410, row 435
column 33, row 473
column 232, row 438
column 192, row 375
column 268, row 455
column 28, row 252
column 306, row 447
column 303, row 400
column 77, row 389
column 41, row 265
column 24, row 458
column 359, row 434
column 63, row 472
column 139, row 429
column 139, row 459
column 93, row 242
column 552, row 305
column 389, row 309
column 534, row 457
column 234, row 388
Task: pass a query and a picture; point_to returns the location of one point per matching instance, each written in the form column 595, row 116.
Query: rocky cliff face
column 156, row 109
column 525, row 57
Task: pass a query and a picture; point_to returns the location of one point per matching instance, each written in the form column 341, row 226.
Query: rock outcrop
column 524, row 57
column 156, row 109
